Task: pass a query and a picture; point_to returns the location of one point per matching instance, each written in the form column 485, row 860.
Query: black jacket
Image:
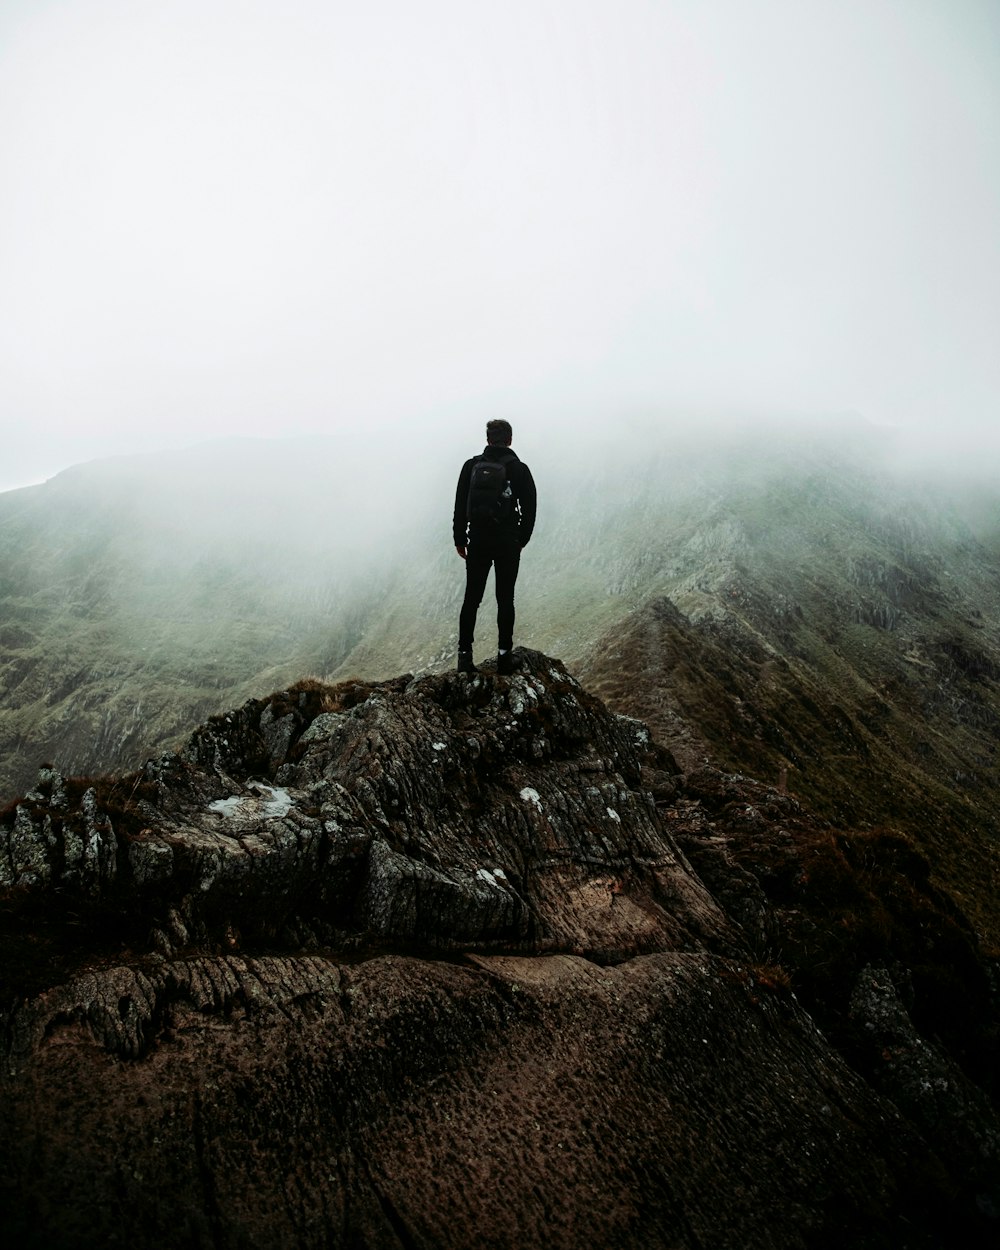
column 521, row 523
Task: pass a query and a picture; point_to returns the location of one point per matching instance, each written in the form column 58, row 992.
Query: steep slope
column 844, row 634
column 426, row 963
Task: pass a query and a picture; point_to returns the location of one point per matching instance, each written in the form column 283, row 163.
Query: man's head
column 499, row 433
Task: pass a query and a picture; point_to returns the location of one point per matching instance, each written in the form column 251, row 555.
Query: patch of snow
column 613, row 814
column 268, row 803
column 532, row 796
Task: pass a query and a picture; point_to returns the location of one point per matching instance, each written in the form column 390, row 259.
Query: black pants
column 503, row 554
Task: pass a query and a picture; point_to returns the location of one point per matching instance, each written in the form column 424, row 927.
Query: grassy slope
column 118, row 632
column 847, row 633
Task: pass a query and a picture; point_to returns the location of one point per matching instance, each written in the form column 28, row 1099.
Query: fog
column 387, row 222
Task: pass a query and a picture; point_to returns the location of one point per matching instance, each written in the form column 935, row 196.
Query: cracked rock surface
column 422, row 964
column 447, row 812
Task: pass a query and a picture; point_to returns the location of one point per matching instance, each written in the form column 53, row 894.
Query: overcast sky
column 389, row 217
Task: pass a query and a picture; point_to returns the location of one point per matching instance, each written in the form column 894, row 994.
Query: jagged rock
column 443, row 811
column 425, row 963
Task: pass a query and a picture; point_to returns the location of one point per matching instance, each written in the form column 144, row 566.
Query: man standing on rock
column 494, row 517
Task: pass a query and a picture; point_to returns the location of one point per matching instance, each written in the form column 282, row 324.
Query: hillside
column 447, row 962
column 141, row 595
column 839, row 633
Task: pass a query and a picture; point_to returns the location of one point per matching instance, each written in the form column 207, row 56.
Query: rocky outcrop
column 441, row 813
column 441, row 962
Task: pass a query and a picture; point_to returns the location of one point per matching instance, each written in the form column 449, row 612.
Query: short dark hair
column 498, row 432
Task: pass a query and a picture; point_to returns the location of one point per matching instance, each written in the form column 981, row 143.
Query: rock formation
column 455, row 962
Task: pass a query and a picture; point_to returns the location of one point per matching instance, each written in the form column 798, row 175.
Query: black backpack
column 490, row 494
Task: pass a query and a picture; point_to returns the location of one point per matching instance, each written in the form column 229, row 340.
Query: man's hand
column 461, row 551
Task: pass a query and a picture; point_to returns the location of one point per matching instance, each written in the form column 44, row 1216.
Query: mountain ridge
column 839, row 620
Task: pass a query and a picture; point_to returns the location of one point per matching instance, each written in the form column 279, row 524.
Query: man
column 494, row 517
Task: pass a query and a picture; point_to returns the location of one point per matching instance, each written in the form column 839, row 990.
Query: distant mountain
column 137, row 594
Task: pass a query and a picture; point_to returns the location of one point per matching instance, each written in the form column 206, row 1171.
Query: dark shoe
column 465, row 664
column 505, row 664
